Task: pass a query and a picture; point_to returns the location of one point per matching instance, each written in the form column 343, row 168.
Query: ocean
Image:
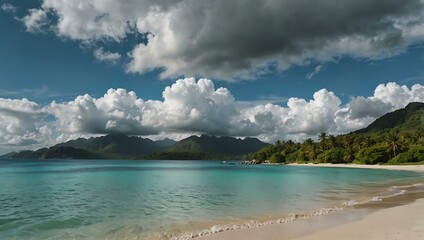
column 126, row 199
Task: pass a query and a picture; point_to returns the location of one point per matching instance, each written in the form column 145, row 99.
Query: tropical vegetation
column 395, row 138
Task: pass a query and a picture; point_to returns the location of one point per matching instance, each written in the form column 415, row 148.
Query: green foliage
column 334, row 155
column 404, row 119
column 373, row 155
column 398, row 135
column 277, row 158
column 414, row 154
column 297, row 156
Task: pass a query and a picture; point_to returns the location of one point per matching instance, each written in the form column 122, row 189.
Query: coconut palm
column 393, row 143
column 278, row 144
column 346, row 141
column 312, row 152
column 322, row 137
column 332, row 141
column 348, row 155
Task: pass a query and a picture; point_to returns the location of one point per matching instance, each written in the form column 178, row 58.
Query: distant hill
column 406, row 119
column 166, row 143
column 115, row 146
column 120, row 146
column 210, row 147
column 9, row 155
column 53, row 153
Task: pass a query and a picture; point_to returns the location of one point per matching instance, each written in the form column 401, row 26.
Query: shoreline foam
column 414, row 168
column 377, row 222
column 275, row 229
column 369, row 204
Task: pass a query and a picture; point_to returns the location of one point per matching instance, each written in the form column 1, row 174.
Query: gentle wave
column 290, row 218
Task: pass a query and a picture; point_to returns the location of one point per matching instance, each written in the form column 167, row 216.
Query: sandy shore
column 401, row 222
column 416, row 168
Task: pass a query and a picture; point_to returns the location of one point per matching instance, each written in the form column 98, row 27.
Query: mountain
column 115, row 146
column 166, row 143
column 53, row 153
column 210, row 147
column 406, row 119
column 394, row 138
column 8, row 155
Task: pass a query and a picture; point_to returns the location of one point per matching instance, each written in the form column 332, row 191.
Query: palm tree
column 322, row 137
column 290, row 146
column 366, row 142
column 393, row 143
column 278, row 145
column 348, row 155
column 416, row 137
column 346, row 141
column 309, row 142
column 358, row 144
column 332, row 141
column 312, row 152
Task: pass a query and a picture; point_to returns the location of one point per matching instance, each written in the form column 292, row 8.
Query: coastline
column 399, row 222
column 398, row 217
column 415, row 168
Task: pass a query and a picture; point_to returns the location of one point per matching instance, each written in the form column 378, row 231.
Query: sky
column 272, row 69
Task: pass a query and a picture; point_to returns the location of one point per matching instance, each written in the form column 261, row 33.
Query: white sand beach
column 401, row 222
column 394, row 223
column 416, row 168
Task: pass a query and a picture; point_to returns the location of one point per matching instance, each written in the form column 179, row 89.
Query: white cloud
column 205, row 38
column 316, row 70
column 7, row 7
column 22, row 124
column 35, row 20
column 117, row 111
column 192, row 106
column 107, row 56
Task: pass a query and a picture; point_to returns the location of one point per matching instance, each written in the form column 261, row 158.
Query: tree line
column 391, row 146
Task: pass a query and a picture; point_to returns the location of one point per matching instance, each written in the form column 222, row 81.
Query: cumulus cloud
column 117, row 111
column 106, row 56
column 237, row 39
column 191, row 106
column 9, row 8
column 22, row 124
column 35, row 20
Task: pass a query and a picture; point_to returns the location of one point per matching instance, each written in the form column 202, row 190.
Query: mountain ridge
column 121, row 146
column 403, row 119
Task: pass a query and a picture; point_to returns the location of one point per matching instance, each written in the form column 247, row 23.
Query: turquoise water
column 85, row 199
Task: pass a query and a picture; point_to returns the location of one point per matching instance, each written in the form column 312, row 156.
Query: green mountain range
column 407, row 119
column 210, row 147
column 120, row 146
column 115, row 146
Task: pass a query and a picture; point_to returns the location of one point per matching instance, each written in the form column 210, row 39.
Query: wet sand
column 399, row 217
column 415, row 168
column 372, row 221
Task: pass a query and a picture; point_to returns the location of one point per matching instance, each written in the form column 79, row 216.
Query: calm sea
column 103, row 199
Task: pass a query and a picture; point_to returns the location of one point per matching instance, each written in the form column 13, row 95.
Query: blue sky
column 48, row 53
